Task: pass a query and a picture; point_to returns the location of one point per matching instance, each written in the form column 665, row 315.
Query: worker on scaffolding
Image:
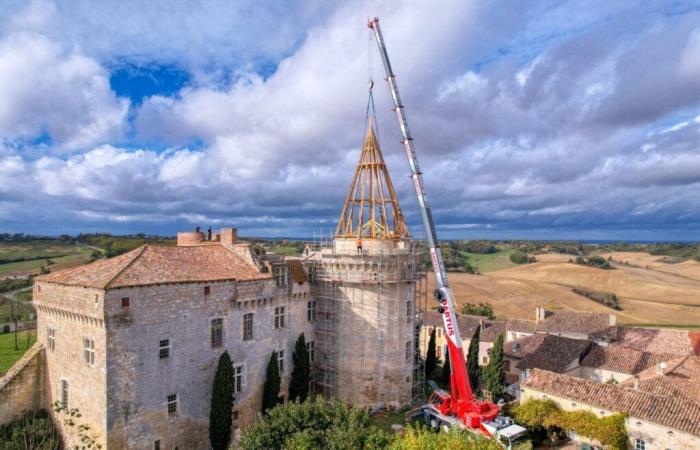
column 358, row 243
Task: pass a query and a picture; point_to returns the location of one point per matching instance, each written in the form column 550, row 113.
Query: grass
column 8, row 354
column 384, row 421
column 490, row 262
column 63, row 254
column 288, row 250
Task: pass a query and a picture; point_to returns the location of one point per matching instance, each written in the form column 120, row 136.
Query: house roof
column 491, row 329
column 467, row 324
column 651, row 340
column 695, row 342
column 680, row 378
column 150, row 265
column 521, row 325
column 673, row 412
column 578, row 322
column 296, row 267
column 546, row 351
column 622, row 359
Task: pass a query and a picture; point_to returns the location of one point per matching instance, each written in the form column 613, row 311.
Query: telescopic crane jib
column 460, row 403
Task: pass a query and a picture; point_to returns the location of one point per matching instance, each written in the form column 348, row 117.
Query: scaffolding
column 363, row 313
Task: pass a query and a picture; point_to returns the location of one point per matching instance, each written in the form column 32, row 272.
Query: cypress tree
column 271, row 388
column 222, row 398
column 299, row 385
column 431, row 357
column 473, row 362
column 495, row 373
column 446, row 371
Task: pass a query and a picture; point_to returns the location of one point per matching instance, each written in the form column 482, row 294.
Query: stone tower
column 366, row 286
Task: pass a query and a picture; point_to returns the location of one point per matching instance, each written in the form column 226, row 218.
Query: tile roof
column 490, row 329
column 521, row 325
column 680, row 378
column 622, row 359
column 467, row 324
column 673, row 412
column 296, row 267
column 695, row 342
column 579, row 322
column 655, row 341
column 546, row 351
column 150, row 265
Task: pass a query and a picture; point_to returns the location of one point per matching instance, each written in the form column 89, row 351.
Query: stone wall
column 21, row 388
column 601, row 375
column 140, row 382
column 655, row 436
column 75, row 313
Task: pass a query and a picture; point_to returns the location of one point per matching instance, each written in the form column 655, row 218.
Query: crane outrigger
column 459, row 407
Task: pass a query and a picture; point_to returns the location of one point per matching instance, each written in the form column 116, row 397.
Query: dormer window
column 280, row 274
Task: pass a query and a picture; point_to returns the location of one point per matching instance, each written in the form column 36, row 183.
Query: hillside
column 656, row 293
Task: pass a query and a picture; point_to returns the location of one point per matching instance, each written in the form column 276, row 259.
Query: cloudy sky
column 531, row 119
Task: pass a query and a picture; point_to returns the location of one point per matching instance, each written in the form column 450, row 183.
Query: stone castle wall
column 21, row 388
column 139, row 381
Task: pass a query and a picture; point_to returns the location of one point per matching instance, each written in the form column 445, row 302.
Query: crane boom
column 462, row 402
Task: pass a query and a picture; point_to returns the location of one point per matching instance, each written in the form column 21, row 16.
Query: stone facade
column 22, row 388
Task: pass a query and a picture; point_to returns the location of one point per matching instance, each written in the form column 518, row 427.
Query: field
column 651, row 292
column 489, row 262
column 8, row 354
column 62, row 254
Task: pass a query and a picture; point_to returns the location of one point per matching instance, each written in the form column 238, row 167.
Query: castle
column 133, row 341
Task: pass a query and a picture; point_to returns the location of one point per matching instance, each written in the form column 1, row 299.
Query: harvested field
column 647, row 296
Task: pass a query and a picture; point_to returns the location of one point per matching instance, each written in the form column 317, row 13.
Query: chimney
column 540, row 313
column 209, row 234
column 229, row 236
column 660, row 367
column 636, row 382
column 612, row 320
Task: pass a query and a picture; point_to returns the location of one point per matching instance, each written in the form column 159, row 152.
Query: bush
column 522, row 258
column 482, row 309
column 314, row 424
column 30, row 431
column 608, row 299
column 594, row 261
column 420, row 438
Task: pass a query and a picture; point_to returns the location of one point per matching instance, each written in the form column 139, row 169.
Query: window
column 172, row 404
column 279, row 317
column 51, row 338
column 97, row 298
column 311, row 311
column 64, row 393
column 125, row 302
column 164, row 349
column 408, row 350
column 409, row 309
column 248, row 326
column 280, row 361
column 640, row 444
column 310, row 349
column 156, row 445
column 89, row 351
column 234, row 419
column 237, row 379
column 485, row 360
column 217, row 333
column 207, row 290
column 506, row 365
column 280, row 274
column 439, row 332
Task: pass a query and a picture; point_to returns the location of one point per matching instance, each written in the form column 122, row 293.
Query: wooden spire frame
column 371, row 209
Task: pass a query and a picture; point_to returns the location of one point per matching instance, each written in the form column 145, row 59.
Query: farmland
column 651, row 292
column 31, row 256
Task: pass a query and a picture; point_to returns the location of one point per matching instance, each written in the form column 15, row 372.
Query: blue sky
column 532, row 119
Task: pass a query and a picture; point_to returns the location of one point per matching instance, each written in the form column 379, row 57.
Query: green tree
column 301, row 374
column 221, row 404
column 419, row 438
column 473, row 362
column 271, row 388
column 431, row 357
column 495, row 372
column 446, row 369
column 314, row 424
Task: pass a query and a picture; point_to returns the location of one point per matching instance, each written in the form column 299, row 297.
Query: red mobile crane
column 459, row 407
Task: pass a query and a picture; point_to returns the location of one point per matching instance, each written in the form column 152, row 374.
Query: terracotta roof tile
column 546, row 351
column 490, row 329
column 521, row 325
column 673, row 412
column 623, row 360
column 681, row 377
column 580, row 322
column 467, row 323
column 296, row 267
column 149, row 265
column 651, row 340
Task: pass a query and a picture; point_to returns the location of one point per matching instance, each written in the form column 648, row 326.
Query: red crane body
column 461, row 402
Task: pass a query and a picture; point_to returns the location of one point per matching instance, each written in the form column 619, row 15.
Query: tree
column 222, row 398
column 417, row 438
column 301, row 374
column 314, row 424
column 446, row 370
column 473, row 362
column 431, row 357
column 495, row 374
column 271, row 388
